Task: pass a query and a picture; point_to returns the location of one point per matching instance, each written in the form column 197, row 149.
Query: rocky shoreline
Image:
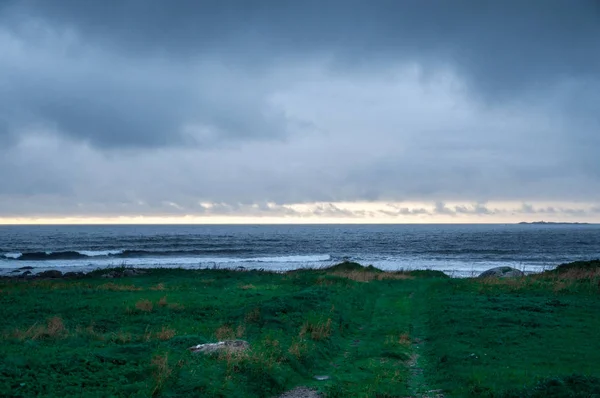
column 28, row 273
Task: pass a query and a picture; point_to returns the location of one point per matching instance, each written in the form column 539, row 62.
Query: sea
column 458, row 250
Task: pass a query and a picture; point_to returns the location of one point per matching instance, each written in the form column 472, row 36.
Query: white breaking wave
column 12, row 255
column 291, row 259
column 99, row 253
column 275, row 263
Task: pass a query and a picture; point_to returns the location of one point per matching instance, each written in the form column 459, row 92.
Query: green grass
column 375, row 334
column 527, row 337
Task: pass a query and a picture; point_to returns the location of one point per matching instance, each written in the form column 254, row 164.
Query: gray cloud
column 138, row 73
column 150, row 107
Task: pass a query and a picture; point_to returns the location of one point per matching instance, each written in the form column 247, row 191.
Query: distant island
column 553, row 223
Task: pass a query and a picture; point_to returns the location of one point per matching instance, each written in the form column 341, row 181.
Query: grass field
column 373, row 333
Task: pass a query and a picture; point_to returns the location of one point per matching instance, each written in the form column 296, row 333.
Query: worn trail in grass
column 374, row 356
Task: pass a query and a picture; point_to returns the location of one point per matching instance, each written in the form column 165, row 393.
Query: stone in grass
column 301, row 392
column 502, row 272
column 128, row 272
column 73, row 275
column 226, row 346
column 50, row 274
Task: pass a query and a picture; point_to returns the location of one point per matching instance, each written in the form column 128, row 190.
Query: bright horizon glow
column 350, row 213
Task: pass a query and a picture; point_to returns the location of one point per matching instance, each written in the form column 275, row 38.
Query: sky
column 280, row 111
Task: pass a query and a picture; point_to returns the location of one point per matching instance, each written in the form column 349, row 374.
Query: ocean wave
column 12, row 255
column 291, row 259
column 200, row 255
column 99, row 253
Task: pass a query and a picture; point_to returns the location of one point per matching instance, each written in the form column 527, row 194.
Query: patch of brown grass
column 122, row 337
column 252, row 316
column 165, row 334
column 57, row 284
column 402, row 339
column 90, row 332
column 366, row 276
column 225, row 332
column 162, row 372
column 115, row 287
column 572, row 274
column 239, row 331
column 158, row 287
column 247, row 287
column 573, row 279
column 144, row 305
column 54, row 329
column 511, row 284
column 298, row 348
column 316, row 329
column 265, row 357
column 162, row 302
column 175, row 306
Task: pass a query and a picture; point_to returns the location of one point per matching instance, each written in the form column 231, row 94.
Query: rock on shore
column 501, row 272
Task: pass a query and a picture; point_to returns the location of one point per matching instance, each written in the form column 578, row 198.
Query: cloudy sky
column 299, row 111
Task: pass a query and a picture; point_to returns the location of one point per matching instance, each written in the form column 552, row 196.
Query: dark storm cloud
column 155, row 107
column 134, row 73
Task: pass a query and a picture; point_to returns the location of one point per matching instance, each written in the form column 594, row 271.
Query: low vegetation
column 364, row 332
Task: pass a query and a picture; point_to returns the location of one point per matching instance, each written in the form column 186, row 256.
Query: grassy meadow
column 371, row 333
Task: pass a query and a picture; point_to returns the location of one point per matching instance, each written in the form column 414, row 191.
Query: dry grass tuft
column 225, row 332
column 402, row 340
column 162, row 372
column 163, row 301
column 144, row 305
column 316, row 329
column 247, row 287
column 90, row 332
column 165, row 334
column 253, row 316
column 265, row 358
column 572, row 274
column 175, row 306
column 122, row 337
column 239, row 331
column 572, row 279
column 366, row 276
column 54, row 329
column 298, row 348
column 115, row 287
column 58, row 285
column 158, row 287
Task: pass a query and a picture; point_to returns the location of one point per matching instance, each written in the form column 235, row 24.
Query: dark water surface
column 459, row 250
